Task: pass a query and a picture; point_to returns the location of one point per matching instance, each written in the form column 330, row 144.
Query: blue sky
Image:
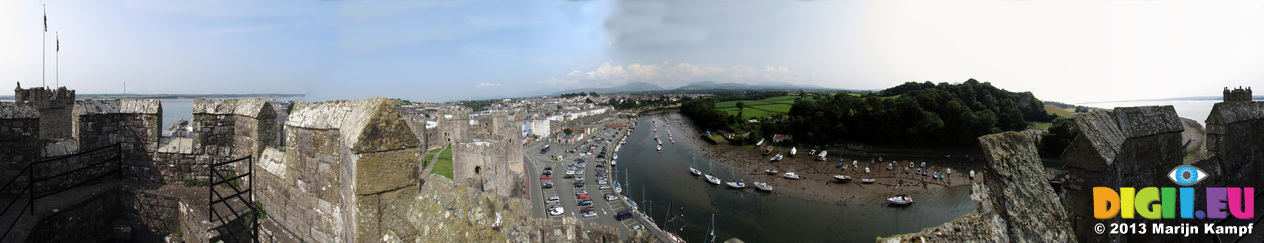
column 1071, row 51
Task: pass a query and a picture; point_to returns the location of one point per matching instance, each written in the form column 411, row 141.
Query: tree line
column 918, row 114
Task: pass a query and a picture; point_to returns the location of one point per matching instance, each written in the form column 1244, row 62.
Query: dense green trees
column 1059, row 136
column 917, row 113
column 920, row 114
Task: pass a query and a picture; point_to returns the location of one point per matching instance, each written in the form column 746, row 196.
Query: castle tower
column 1237, row 95
column 55, row 107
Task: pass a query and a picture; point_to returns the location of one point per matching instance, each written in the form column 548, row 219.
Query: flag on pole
column 58, row 44
column 45, row 20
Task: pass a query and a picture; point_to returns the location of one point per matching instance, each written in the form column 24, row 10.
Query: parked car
column 590, row 214
column 611, row 197
column 547, row 184
column 546, row 177
column 553, row 199
column 585, row 203
column 602, row 187
column 556, row 210
column 579, row 183
column 624, row 215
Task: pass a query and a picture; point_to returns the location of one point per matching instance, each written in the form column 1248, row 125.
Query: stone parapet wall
column 1124, row 147
column 1234, row 137
column 346, row 174
column 19, row 125
column 133, row 123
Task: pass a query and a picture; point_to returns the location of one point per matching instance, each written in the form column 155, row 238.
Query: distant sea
column 1196, row 109
column 175, row 109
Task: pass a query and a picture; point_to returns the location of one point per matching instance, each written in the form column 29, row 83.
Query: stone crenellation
column 1237, row 94
column 54, row 107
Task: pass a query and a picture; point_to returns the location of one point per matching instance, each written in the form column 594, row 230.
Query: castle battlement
column 1237, row 95
column 54, row 107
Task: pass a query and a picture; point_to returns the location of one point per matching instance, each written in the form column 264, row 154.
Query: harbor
column 813, row 209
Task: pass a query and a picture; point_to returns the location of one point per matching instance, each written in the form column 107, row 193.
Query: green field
column 444, row 166
column 1059, row 111
column 732, row 104
column 783, row 108
column 789, row 99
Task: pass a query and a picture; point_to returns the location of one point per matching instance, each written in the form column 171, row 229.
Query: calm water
column 173, row 110
column 1197, row 110
column 660, row 179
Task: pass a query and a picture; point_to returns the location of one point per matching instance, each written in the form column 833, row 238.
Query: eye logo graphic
column 1186, row 175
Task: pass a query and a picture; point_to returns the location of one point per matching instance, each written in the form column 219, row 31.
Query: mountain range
column 696, row 86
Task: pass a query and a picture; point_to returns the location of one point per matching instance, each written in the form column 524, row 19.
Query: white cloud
column 673, row 75
column 486, row 85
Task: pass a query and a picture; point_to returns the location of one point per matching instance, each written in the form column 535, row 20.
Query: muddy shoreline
column 818, row 182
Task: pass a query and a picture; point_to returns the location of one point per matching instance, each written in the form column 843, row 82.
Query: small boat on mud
column 791, row 175
column 712, row 179
column 889, row 166
column 842, row 178
column 793, row 151
column 736, row 184
column 972, row 174
column 771, row 171
column 694, row 171
column 868, row 180
column 660, row 148
column 775, row 158
column 762, row 186
column 866, row 170
column 900, row 200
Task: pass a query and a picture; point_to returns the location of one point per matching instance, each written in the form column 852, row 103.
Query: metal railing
column 232, row 220
column 31, row 173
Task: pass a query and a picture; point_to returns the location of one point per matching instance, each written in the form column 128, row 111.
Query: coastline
column 817, row 181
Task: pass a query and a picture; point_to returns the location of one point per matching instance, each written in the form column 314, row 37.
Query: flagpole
column 44, row 50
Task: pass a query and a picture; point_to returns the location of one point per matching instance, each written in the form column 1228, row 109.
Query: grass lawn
column 429, row 155
column 732, row 104
column 1059, row 111
column 444, row 166
column 747, row 113
column 783, row 108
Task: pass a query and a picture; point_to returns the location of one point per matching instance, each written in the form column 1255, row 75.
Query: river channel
column 656, row 180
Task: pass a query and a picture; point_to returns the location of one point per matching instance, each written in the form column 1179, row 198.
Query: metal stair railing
column 33, row 193
column 227, row 220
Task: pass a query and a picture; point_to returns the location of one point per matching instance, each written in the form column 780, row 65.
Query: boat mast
column 711, row 227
